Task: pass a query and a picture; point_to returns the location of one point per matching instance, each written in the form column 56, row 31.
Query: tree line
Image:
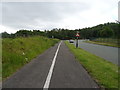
column 106, row 30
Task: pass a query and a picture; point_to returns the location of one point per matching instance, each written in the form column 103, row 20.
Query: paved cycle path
column 55, row 68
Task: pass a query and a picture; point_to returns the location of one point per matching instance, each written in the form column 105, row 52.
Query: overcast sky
column 49, row 15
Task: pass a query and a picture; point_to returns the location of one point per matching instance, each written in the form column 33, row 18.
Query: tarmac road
column 55, row 68
column 106, row 52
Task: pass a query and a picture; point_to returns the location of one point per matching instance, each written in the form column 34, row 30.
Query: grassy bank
column 101, row 43
column 19, row 51
column 103, row 72
column 106, row 41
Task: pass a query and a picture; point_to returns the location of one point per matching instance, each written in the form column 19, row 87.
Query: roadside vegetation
column 20, row 47
column 21, row 50
column 106, row 41
column 106, row 30
column 103, row 72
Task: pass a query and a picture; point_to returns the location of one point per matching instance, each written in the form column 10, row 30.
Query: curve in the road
column 106, row 52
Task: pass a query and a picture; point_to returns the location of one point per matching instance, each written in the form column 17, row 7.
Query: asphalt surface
column 106, row 52
column 67, row 72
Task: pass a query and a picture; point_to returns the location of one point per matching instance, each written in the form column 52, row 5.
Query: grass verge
column 103, row 72
column 103, row 43
column 19, row 51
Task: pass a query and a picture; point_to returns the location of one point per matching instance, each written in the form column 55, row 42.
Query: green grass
column 103, row 43
column 106, row 41
column 19, row 51
column 103, row 72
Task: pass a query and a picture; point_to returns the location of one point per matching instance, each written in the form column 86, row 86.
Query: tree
column 5, row 35
column 106, row 32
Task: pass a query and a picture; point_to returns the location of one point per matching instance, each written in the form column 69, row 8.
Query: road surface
column 106, row 52
column 55, row 68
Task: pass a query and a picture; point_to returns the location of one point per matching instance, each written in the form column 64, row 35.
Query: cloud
column 7, row 29
column 48, row 15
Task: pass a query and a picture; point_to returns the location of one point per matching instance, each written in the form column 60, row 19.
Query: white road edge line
column 47, row 82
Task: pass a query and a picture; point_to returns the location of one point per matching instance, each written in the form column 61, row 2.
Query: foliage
column 101, row 30
column 108, row 42
column 5, row 35
column 19, row 51
column 106, row 32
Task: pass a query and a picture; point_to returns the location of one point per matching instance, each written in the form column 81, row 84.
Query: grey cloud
column 23, row 14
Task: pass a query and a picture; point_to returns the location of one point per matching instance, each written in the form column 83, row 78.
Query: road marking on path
column 47, row 82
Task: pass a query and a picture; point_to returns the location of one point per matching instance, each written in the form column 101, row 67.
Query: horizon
column 56, row 28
